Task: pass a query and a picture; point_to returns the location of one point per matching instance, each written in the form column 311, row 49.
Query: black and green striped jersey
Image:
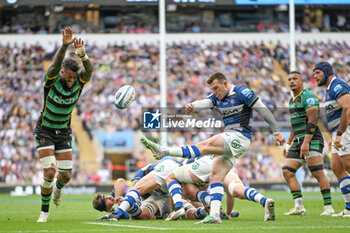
column 59, row 102
column 298, row 106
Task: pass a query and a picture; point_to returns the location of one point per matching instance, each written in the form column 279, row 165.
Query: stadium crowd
column 22, row 73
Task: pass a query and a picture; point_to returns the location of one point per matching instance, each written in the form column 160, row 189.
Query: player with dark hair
column 62, row 88
column 337, row 104
column 305, row 144
column 235, row 104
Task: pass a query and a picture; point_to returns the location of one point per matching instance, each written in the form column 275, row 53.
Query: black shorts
column 59, row 140
column 315, row 148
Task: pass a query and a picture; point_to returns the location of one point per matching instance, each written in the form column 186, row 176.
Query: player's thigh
column 147, row 184
column 315, row 160
column 213, row 145
column 292, row 163
column 345, row 160
column 219, row 170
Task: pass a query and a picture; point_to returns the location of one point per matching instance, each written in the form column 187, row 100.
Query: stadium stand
column 251, row 64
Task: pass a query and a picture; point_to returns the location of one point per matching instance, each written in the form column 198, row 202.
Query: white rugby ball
column 124, row 97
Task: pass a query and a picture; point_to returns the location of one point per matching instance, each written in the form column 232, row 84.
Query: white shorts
column 162, row 202
column 345, row 141
column 161, row 170
column 200, row 167
column 236, row 144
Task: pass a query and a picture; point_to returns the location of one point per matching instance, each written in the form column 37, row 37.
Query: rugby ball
column 124, row 97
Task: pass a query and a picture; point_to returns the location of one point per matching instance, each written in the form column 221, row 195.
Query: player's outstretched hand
column 279, row 139
column 67, row 36
column 79, row 47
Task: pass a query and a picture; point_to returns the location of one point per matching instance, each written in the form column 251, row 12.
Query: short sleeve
column 247, row 96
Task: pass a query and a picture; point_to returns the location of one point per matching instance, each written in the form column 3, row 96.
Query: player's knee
column 47, row 182
column 120, row 180
column 288, row 172
column 64, row 177
column 148, row 210
column 48, row 164
column 49, row 173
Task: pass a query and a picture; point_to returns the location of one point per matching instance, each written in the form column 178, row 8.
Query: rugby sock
column 344, row 184
column 216, row 194
column 252, row 194
column 200, row 213
column 327, row 198
column 298, row 198
column 45, row 202
column 59, row 185
column 203, row 196
column 130, row 199
column 175, row 191
column 173, row 151
column 186, row 152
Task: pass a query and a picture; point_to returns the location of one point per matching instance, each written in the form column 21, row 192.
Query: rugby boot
column 176, row 214
column 155, row 148
column 44, row 217
column 300, row 210
column 328, row 211
column 345, row 214
column 269, row 210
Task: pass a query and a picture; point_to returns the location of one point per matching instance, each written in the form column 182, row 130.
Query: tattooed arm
column 88, row 67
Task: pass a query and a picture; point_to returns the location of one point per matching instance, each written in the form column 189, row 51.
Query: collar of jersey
column 329, row 86
column 298, row 94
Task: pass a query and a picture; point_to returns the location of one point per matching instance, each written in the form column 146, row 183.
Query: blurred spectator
column 249, row 64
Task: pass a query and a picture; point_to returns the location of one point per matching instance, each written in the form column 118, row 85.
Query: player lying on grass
column 150, row 209
column 154, row 184
column 199, row 172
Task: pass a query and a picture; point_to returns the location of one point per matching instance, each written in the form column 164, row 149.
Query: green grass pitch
column 19, row 214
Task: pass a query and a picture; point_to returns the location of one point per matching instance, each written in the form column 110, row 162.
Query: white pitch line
column 219, row 228
column 177, row 228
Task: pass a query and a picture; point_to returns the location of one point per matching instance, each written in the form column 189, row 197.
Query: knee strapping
column 289, row 169
column 316, row 168
column 64, row 165
column 151, row 208
column 48, row 162
column 47, row 183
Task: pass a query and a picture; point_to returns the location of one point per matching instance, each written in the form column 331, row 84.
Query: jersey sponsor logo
column 236, row 144
column 230, row 111
column 60, row 100
column 195, row 166
column 337, row 89
column 248, row 93
column 310, row 102
column 160, row 168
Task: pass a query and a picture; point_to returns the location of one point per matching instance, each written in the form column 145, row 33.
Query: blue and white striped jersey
column 335, row 90
column 236, row 109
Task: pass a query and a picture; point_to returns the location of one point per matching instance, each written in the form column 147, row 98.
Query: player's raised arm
column 67, row 39
column 261, row 108
column 80, row 52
